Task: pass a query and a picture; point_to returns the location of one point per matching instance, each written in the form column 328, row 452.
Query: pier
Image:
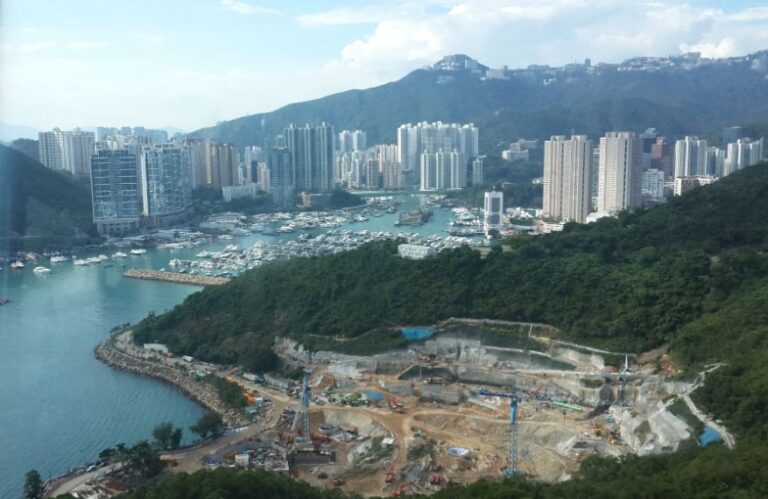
column 162, row 275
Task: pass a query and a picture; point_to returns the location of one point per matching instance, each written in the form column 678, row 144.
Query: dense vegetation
column 669, row 100
column 41, row 208
column 685, row 274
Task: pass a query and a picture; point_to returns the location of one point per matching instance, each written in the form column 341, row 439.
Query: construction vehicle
column 435, row 480
column 389, row 477
column 338, row 482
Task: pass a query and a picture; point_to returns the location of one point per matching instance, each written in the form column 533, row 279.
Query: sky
column 191, row 63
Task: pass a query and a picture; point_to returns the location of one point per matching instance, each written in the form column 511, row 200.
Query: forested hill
column 41, row 208
column 533, row 103
column 691, row 273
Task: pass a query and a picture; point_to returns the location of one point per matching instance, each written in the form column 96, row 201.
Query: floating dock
column 162, row 275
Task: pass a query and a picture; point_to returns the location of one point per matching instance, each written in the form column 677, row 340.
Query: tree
column 33, row 485
column 167, row 437
column 209, row 424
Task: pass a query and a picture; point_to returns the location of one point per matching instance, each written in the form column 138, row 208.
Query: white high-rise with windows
column 621, row 171
column 567, row 167
column 69, row 151
column 690, row 157
column 414, row 140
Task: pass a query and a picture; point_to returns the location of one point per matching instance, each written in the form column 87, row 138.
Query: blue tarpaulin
column 417, row 333
column 708, row 436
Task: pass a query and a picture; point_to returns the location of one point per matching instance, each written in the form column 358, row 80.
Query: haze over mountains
column 676, row 95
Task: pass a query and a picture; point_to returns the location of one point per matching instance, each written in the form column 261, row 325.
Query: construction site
column 469, row 400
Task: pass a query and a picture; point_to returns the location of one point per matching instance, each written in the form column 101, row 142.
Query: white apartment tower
column 621, row 170
column 567, row 167
column 690, row 157
column 70, row 151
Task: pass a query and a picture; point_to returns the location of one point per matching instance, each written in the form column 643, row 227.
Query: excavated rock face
column 652, row 430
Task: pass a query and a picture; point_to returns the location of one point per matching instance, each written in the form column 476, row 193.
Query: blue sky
column 190, row 63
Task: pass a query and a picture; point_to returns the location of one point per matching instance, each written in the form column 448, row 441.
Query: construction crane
column 302, row 413
column 512, row 465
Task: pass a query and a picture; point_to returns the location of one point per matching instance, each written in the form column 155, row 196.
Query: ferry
column 139, row 251
column 41, row 270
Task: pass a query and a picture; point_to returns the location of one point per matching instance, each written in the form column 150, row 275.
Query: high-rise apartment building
column 662, row 155
column 478, row 173
column 68, row 151
column 731, row 134
column 567, row 167
column 167, row 189
column 743, row 153
column 115, row 192
column 690, row 157
column 312, row 157
column 621, row 169
column 415, row 140
column 389, row 166
column 280, row 177
column 350, row 141
column 443, row 170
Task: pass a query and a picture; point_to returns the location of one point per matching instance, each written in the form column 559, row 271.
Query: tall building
column 743, row 153
column 263, row 177
column 68, row 151
column 653, row 184
column 443, row 170
column 690, row 157
column 252, row 156
column 478, row 174
column 167, row 189
column 493, row 208
column 280, row 178
column 115, row 192
column 567, row 167
column 350, row 141
column 414, row 140
column 621, row 169
column 389, row 166
column 312, row 157
column 662, row 153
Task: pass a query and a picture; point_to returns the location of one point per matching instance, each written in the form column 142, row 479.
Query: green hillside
column 675, row 101
column 690, row 274
column 41, row 208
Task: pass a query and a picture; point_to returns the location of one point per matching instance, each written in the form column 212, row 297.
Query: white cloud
column 149, row 37
column 359, row 15
column 35, row 47
column 82, row 45
column 522, row 32
column 246, row 8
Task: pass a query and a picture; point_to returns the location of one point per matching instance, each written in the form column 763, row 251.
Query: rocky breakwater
column 199, row 391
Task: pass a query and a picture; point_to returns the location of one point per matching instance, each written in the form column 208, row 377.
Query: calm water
column 59, row 406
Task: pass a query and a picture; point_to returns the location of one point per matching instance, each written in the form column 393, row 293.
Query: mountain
column 676, row 95
column 41, row 208
column 9, row 132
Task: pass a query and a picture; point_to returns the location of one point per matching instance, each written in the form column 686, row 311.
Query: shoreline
column 201, row 393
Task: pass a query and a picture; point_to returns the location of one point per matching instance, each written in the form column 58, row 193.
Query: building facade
column 69, row 151
column 567, row 168
column 115, row 192
column 620, row 174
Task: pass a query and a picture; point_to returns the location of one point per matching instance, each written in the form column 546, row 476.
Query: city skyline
column 334, row 44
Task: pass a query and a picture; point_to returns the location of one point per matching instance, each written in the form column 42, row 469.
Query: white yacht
column 138, row 251
column 58, row 259
column 119, row 254
column 41, row 270
column 81, row 262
